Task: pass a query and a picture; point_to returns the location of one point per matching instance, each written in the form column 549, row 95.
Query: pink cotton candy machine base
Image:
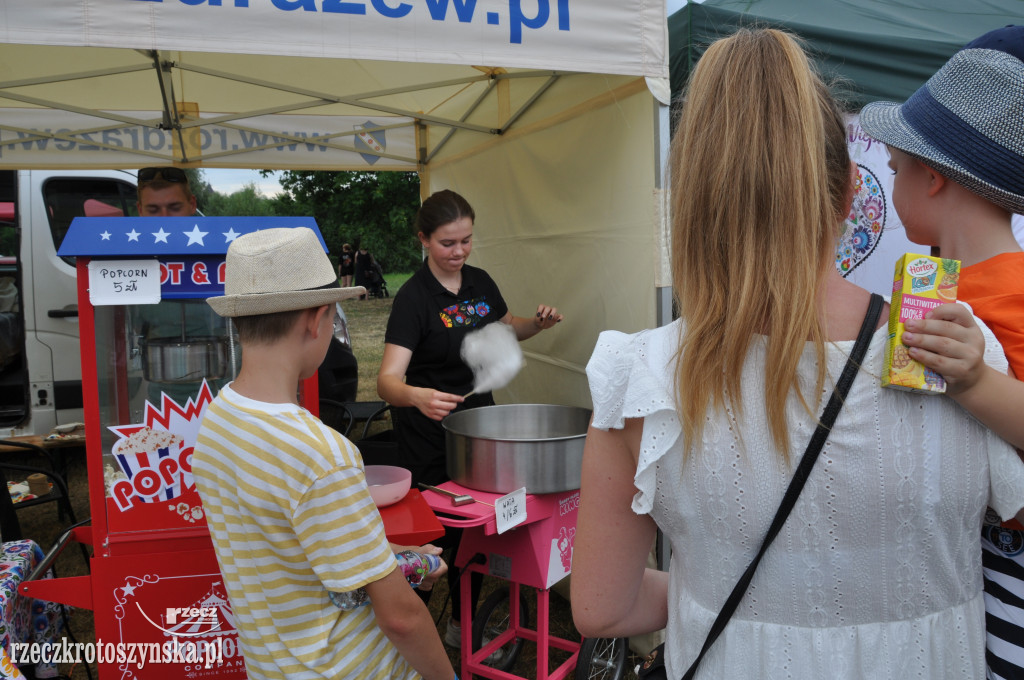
column 536, row 553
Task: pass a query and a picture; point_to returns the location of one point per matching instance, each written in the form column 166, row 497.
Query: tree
column 201, row 189
column 373, row 209
column 246, row 201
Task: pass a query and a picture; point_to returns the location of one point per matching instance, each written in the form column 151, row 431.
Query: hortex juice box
column 921, row 283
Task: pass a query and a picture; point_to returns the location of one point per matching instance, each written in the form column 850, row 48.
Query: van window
column 69, row 197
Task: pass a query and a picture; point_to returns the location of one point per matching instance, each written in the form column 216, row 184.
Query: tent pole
column 451, row 131
column 424, row 166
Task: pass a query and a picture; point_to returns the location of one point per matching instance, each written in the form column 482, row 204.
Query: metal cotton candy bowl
column 507, row 447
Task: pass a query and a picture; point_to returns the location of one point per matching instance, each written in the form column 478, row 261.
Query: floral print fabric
column 25, row 619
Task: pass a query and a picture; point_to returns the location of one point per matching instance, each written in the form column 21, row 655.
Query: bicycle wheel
column 492, row 619
column 602, row 659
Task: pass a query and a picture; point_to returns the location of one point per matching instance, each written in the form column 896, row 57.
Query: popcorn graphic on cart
column 149, row 459
column 155, row 457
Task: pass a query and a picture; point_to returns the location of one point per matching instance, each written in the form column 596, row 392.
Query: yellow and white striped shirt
column 291, row 518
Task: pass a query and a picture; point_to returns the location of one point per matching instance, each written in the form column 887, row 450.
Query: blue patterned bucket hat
column 967, row 121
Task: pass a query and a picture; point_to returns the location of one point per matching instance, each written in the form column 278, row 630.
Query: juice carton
column 921, row 283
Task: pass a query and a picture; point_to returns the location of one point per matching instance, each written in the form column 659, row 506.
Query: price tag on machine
column 510, row 510
column 124, row 282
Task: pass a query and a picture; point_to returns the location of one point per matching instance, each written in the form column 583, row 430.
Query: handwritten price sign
column 510, row 510
column 124, row 282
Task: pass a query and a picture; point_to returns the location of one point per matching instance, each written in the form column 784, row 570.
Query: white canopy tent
column 540, row 112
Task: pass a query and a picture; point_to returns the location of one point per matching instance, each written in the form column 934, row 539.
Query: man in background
column 165, row 192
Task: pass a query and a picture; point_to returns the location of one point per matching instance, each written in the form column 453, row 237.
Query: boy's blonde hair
column 761, row 183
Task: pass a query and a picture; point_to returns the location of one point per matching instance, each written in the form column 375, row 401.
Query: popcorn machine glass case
column 169, row 360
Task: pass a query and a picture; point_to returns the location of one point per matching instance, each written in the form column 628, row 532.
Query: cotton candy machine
column 511, row 446
column 497, row 450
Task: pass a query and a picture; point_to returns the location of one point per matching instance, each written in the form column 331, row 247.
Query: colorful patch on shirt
column 466, row 314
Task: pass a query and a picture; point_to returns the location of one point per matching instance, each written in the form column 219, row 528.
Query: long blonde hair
column 761, row 176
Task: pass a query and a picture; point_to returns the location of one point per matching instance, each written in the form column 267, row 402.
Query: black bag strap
column 803, row 471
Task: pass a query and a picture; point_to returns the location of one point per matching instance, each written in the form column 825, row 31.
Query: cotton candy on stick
column 493, row 354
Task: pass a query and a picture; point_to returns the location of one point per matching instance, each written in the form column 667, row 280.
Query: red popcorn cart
column 153, row 357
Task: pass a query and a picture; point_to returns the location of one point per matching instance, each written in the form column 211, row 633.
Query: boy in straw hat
column 957, row 151
column 285, row 497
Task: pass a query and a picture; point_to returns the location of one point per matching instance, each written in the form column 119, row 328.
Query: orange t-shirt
column 994, row 289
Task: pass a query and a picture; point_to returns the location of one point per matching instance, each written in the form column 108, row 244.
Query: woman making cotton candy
column 422, row 373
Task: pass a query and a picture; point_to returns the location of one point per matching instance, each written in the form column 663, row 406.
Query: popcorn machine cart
column 153, row 356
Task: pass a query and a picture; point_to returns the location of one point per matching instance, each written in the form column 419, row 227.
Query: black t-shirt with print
column 432, row 322
column 347, row 263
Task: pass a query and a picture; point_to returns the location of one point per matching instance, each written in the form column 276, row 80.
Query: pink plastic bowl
column 388, row 483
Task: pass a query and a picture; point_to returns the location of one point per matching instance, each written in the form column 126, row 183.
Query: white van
column 40, row 364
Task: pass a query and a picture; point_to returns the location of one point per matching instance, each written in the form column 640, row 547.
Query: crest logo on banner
column 370, row 140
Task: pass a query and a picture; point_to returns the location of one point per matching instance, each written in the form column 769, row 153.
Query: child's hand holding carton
column 921, row 283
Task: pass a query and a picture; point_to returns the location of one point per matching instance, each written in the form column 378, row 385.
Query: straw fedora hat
column 278, row 270
column 967, row 121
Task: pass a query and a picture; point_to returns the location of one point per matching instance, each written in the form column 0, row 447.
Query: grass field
column 367, row 321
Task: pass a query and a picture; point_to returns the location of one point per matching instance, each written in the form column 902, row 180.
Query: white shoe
column 453, row 634
column 453, row 638
column 496, row 658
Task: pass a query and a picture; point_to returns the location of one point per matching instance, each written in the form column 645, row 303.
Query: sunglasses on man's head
column 168, row 174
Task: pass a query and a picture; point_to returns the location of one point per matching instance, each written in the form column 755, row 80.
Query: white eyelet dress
column 877, row 572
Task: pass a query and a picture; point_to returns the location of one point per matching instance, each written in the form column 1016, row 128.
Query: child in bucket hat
column 957, row 150
column 285, row 496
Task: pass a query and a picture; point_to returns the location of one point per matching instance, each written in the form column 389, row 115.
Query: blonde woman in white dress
column 699, row 425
